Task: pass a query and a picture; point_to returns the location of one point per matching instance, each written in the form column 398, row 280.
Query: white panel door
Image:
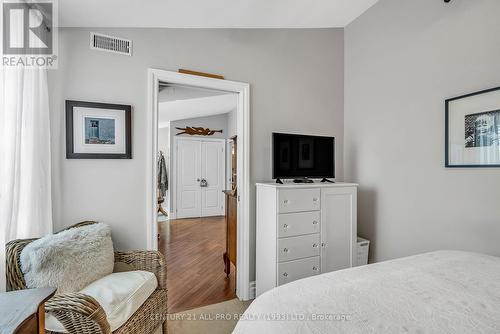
column 338, row 228
column 213, row 170
column 188, row 178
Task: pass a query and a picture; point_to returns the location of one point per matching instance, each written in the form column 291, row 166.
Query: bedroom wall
column 403, row 58
column 297, row 85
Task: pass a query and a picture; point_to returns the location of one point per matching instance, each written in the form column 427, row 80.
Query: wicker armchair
column 80, row 313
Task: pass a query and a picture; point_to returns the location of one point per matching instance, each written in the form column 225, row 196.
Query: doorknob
column 203, row 183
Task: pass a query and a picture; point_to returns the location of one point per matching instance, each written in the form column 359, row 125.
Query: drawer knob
column 315, row 222
column 285, row 250
column 315, row 268
column 315, row 199
column 285, row 274
column 315, row 245
column 285, row 225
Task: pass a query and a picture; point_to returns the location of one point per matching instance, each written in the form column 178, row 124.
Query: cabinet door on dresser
column 338, row 228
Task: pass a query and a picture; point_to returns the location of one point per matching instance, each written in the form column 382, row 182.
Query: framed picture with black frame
column 98, row 130
column 473, row 130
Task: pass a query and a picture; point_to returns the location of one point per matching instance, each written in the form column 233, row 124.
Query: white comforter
column 439, row 292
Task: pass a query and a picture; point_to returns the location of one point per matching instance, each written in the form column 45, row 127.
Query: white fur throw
column 69, row 260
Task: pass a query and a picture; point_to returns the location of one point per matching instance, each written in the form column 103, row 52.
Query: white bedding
column 439, row 292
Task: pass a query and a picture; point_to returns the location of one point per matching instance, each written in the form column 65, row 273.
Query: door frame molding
column 173, row 210
column 155, row 76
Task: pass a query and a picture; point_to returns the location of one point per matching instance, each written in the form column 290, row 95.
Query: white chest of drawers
column 303, row 230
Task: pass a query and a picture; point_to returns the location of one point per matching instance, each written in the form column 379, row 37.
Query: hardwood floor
column 193, row 250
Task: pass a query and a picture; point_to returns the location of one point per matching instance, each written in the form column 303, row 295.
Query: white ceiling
column 211, row 13
column 197, row 107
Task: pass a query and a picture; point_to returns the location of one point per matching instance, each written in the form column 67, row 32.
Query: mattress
column 438, row 292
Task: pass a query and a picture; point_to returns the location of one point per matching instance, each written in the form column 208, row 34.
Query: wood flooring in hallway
column 193, row 251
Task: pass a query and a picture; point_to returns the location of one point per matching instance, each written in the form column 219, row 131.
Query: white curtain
column 25, row 174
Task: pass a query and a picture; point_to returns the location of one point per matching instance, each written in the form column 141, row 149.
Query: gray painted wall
column 403, row 59
column 215, row 122
column 297, row 85
column 232, row 124
column 164, row 141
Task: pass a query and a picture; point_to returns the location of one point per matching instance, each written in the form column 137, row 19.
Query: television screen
column 300, row 156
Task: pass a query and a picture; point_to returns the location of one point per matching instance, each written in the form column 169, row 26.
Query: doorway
column 195, row 233
column 209, row 203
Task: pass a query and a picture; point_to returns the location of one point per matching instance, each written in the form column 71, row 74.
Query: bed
column 438, row 292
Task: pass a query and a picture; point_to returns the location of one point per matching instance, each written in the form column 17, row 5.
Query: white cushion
column 119, row 294
column 57, row 259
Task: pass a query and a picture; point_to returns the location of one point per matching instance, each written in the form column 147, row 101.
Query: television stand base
column 303, row 181
column 326, row 180
column 279, row 181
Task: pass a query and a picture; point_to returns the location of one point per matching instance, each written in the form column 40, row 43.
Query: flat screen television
column 301, row 156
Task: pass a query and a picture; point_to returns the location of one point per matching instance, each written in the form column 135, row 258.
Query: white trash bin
column 362, row 251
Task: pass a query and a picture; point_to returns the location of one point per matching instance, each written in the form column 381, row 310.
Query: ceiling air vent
column 110, row 44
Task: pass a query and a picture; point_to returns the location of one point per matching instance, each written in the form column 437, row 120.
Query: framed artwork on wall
column 98, row 130
column 473, row 130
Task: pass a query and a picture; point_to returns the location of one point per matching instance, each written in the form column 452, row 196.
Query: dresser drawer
column 298, row 200
column 299, row 223
column 294, row 270
column 298, row 247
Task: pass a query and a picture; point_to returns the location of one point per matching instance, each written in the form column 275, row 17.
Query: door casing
column 245, row 289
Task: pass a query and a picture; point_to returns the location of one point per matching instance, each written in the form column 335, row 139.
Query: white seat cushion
column 119, row 294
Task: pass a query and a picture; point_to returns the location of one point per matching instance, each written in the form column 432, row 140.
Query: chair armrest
column 78, row 313
column 15, row 276
column 152, row 261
